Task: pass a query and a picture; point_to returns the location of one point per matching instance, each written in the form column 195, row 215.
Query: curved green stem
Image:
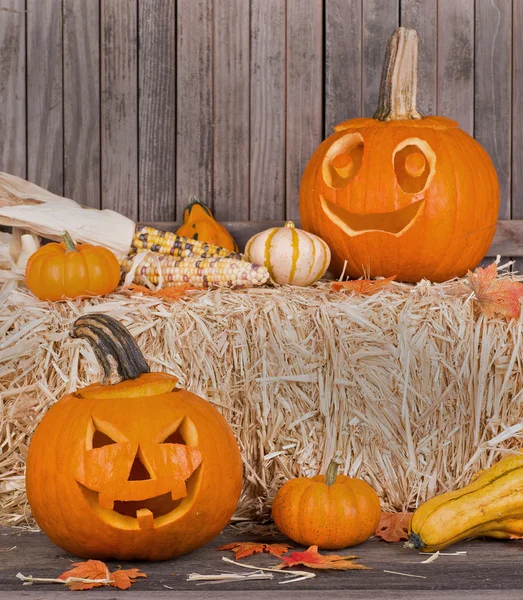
column 332, row 469
column 415, row 541
column 69, row 242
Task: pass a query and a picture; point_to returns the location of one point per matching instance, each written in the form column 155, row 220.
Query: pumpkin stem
column 332, row 469
column 399, row 78
column 193, row 200
column 290, row 225
column 415, row 541
column 69, row 242
column 116, row 350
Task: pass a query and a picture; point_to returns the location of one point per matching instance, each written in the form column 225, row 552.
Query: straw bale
column 416, row 390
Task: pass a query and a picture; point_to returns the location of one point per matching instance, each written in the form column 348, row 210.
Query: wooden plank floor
column 490, row 569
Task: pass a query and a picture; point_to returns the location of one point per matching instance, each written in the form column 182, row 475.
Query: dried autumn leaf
column 91, row 569
column 243, row 549
column 98, row 573
column 515, row 537
column 311, row 558
column 394, row 527
column 495, row 296
column 123, row 578
column 174, row 292
column 277, row 549
column 367, row 287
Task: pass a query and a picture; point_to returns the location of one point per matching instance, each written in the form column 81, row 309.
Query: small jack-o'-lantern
column 399, row 194
column 132, row 467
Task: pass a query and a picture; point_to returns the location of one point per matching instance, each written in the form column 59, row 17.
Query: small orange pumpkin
column 329, row 511
column 199, row 224
column 63, row 270
column 131, row 467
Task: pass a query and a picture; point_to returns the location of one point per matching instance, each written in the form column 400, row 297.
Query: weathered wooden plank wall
column 137, row 104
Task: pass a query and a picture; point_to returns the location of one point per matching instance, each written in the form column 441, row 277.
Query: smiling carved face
column 139, row 473
column 417, row 199
column 134, row 470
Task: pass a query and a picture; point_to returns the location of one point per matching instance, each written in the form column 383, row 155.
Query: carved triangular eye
column 174, row 438
column 180, row 432
column 101, row 439
column 102, row 433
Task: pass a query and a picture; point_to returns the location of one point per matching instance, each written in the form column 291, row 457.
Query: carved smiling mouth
column 395, row 223
column 146, row 513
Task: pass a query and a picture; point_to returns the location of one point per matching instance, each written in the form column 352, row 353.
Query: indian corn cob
column 166, row 242
column 210, row 272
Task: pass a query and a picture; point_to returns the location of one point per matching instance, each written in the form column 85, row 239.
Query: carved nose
column 138, row 471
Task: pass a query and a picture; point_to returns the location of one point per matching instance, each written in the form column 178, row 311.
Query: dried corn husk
column 28, row 206
column 15, row 250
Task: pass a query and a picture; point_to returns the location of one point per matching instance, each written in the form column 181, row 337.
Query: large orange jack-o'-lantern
column 132, row 467
column 399, row 194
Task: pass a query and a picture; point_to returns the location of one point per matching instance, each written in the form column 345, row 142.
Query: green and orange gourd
column 200, row 224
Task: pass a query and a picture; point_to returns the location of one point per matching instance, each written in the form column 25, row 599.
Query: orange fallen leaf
column 92, row 569
column 123, row 578
column 313, row 559
column 94, row 573
column 515, row 537
column 394, row 526
column 367, row 287
column 243, row 549
column 495, row 296
column 174, row 292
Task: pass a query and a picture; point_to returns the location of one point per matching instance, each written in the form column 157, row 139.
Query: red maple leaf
column 313, row 559
column 394, row 526
column 367, row 287
column 495, row 296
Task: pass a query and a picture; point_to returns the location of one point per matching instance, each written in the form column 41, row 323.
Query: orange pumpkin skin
column 310, row 512
column 134, row 470
column 53, row 272
column 453, row 218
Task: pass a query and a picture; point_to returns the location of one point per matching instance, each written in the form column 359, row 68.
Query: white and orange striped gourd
column 292, row 256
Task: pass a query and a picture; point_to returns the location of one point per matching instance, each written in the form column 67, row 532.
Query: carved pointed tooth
column 342, row 164
column 179, row 491
column 145, row 518
column 415, row 164
column 105, row 501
